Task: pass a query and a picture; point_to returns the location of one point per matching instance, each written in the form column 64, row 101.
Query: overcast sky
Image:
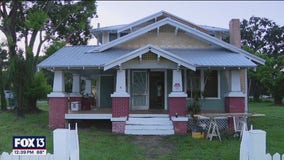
column 212, row 13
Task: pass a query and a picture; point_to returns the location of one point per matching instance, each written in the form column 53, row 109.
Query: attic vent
column 149, row 56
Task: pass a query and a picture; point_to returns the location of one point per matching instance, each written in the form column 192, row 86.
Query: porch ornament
column 177, row 86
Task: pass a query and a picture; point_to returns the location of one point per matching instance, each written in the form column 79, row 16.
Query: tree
column 43, row 21
column 3, row 65
column 265, row 38
column 272, row 76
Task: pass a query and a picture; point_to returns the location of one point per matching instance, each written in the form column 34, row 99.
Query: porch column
column 88, row 87
column 235, row 99
column 88, row 96
column 75, row 95
column 58, row 102
column 177, row 104
column 120, row 103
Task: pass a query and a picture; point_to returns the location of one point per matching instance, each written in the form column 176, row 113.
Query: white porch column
column 120, row 90
column 88, row 87
column 235, row 84
column 177, row 85
column 58, row 85
column 76, row 85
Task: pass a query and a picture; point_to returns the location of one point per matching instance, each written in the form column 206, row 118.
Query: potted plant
column 195, row 108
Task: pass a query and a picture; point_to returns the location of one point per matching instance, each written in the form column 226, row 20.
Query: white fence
column 65, row 146
column 253, row 147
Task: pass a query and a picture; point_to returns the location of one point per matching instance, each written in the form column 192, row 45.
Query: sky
column 211, row 13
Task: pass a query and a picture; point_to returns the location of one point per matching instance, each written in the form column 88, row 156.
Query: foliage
column 195, row 106
column 272, row 77
column 265, row 38
column 38, row 89
column 17, row 73
column 41, row 21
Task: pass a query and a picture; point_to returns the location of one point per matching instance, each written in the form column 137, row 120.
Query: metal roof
column 77, row 56
column 212, row 57
column 194, row 32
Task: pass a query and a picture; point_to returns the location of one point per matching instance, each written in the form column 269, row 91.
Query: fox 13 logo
column 29, row 145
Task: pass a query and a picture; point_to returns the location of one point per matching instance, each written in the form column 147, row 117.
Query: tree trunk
column 31, row 106
column 256, row 90
column 2, row 94
column 278, row 100
column 20, row 113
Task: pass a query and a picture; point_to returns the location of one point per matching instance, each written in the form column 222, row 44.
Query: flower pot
column 197, row 132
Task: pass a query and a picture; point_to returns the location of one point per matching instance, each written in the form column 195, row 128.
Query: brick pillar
column 177, row 104
column 58, row 102
column 120, row 103
column 58, row 106
column 235, row 99
column 180, row 124
column 120, row 106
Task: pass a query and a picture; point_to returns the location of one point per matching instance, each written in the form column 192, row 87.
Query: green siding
column 107, row 88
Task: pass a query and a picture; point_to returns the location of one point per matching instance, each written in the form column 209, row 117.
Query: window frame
column 202, row 83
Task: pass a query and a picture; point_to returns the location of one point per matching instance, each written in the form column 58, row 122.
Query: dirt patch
column 154, row 146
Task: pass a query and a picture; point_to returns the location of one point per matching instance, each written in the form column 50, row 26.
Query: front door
column 157, row 90
column 139, row 91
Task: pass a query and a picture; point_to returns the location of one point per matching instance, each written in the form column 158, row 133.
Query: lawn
column 98, row 143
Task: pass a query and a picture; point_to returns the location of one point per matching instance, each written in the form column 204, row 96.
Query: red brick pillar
column 120, row 112
column 235, row 99
column 58, row 101
column 180, row 124
column 58, row 106
column 177, row 111
column 234, row 105
column 120, row 103
column 177, row 104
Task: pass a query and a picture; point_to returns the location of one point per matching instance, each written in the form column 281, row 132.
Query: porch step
column 158, row 124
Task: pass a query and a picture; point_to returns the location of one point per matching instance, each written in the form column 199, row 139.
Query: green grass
column 96, row 143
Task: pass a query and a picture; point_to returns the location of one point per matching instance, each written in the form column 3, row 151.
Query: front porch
column 106, row 113
column 150, row 87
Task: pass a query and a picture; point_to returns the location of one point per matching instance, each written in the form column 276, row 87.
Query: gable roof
column 179, row 25
column 139, row 52
column 155, row 18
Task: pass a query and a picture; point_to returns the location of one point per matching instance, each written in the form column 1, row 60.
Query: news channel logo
column 29, row 145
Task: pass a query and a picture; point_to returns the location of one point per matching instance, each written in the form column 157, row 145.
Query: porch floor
column 106, row 113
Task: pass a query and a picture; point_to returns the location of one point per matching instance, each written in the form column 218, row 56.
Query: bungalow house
column 147, row 73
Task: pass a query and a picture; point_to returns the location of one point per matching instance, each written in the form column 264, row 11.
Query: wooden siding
column 243, row 81
column 165, row 40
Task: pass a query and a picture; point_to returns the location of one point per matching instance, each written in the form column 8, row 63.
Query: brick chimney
column 235, row 32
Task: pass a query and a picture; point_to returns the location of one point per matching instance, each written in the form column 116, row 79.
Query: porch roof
column 213, row 57
column 78, row 57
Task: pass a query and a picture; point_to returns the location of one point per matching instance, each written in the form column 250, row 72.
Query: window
column 193, row 83
column 211, row 83
column 198, row 79
column 112, row 36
